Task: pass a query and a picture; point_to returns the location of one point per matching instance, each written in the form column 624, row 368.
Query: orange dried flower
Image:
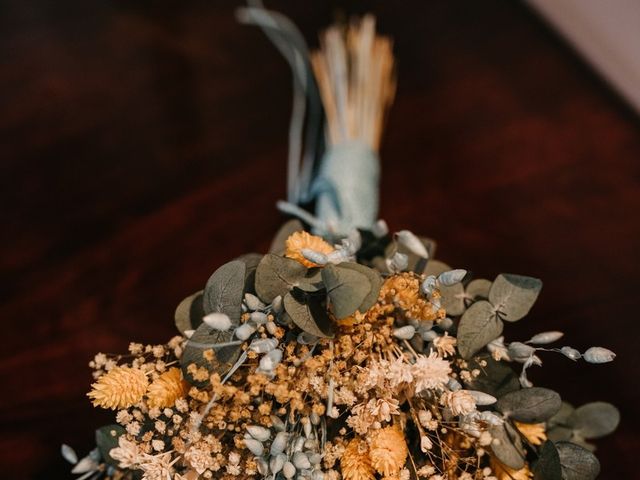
column 355, row 463
column 503, row 472
column 388, row 451
column 121, row 387
column 301, row 240
column 166, row 389
column 533, row 432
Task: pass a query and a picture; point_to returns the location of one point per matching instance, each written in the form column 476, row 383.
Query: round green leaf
column 189, row 313
column 577, row 463
column 453, row 299
column 277, row 275
column 375, row 281
column 436, row 267
column 507, row 445
column 347, row 288
column 595, row 420
column 530, row 405
column 548, row 465
column 478, row 326
column 309, row 314
column 478, row 289
column 514, row 295
column 107, row 439
column 225, row 289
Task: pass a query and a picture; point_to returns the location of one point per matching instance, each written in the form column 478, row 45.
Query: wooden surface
column 143, row 144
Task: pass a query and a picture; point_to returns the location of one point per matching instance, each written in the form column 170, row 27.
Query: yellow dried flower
column 300, row 240
column 355, row 463
column 503, row 472
column 533, row 432
column 388, row 451
column 166, row 389
column 121, row 387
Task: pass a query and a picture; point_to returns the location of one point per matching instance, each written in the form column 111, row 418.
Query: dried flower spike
column 121, row 387
column 166, row 389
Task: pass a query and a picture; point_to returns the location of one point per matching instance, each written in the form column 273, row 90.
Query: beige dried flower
column 157, row 467
column 127, row 453
column 166, row 389
column 430, row 372
column 388, row 451
column 533, row 432
column 445, row 345
column 304, row 240
column 460, row 402
column 355, row 463
column 121, row 387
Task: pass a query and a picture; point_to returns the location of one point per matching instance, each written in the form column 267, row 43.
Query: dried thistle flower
column 121, row 387
column 388, row 451
column 430, row 372
column 355, row 463
column 166, row 389
column 304, row 240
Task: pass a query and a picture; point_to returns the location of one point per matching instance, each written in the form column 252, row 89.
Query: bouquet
column 346, row 352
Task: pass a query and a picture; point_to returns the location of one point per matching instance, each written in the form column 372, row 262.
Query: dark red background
column 143, row 144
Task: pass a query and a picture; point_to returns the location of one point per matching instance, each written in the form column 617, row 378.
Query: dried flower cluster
column 334, row 369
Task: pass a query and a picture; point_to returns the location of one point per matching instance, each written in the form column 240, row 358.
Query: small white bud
column 218, row 321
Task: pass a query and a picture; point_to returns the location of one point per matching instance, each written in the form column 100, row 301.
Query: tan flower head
column 166, row 389
column 121, row 387
column 301, row 240
column 388, row 451
column 460, row 402
column 533, row 432
column 430, row 372
column 503, row 472
column 355, row 463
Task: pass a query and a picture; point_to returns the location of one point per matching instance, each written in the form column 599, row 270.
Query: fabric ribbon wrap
column 342, row 180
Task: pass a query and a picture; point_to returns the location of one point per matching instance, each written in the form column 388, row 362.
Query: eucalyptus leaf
column 107, row 439
column 530, row 405
column 559, row 433
column 435, row 267
column 577, row 463
column 478, row 326
column 278, row 244
column 277, row 275
column 563, row 415
column 310, row 315
column 225, row 289
column 514, row 295
column 223, row 358
column 548, row 465
column 594, row 420
column 478, row 289
column 375, row 280
column 347, row 289
column 507, row 445
column 189, row 312
column 496, row 378
column 251, row 262
column 453, row 299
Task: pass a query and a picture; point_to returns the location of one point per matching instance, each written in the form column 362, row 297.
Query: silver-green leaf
column 548, row 465
column 225, row 289
column 107, row 439
column 189, row 313
column 530, row 405
column 594, row 420
column 514, row 295
column 310, row 317
column 347, row 288
column 478, row 326
column 507, row 446
column 276, row 275
column 577, row 463
column 452, row 299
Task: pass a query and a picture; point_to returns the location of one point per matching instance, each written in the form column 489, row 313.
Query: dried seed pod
column 571, row 353
column 277, row 462
column 289, row 470
column 279, row 443
column 451, row 277
column 277, row 423
column 404, row 333
column 428, row 285
column 276, row 305
column 315, row 458
column 271, row 327
column 263, row 466
column 244, row 331
column 429, row 336
column 301, row 461
column 298, row 444
column 520, row 352
column 412, row 243
column 546, row 337
column 253, row 302
column 259, row 433
column 263, row 345
column 317, row 475
column 598, row 355
column 318, row 258
column 315, row 418
column 482, row 398
column 270, row 360
column 380, row 229
column 454, row 385
column 217, row 321
column 254, row 446
column 259, row 318
column 398, row 262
